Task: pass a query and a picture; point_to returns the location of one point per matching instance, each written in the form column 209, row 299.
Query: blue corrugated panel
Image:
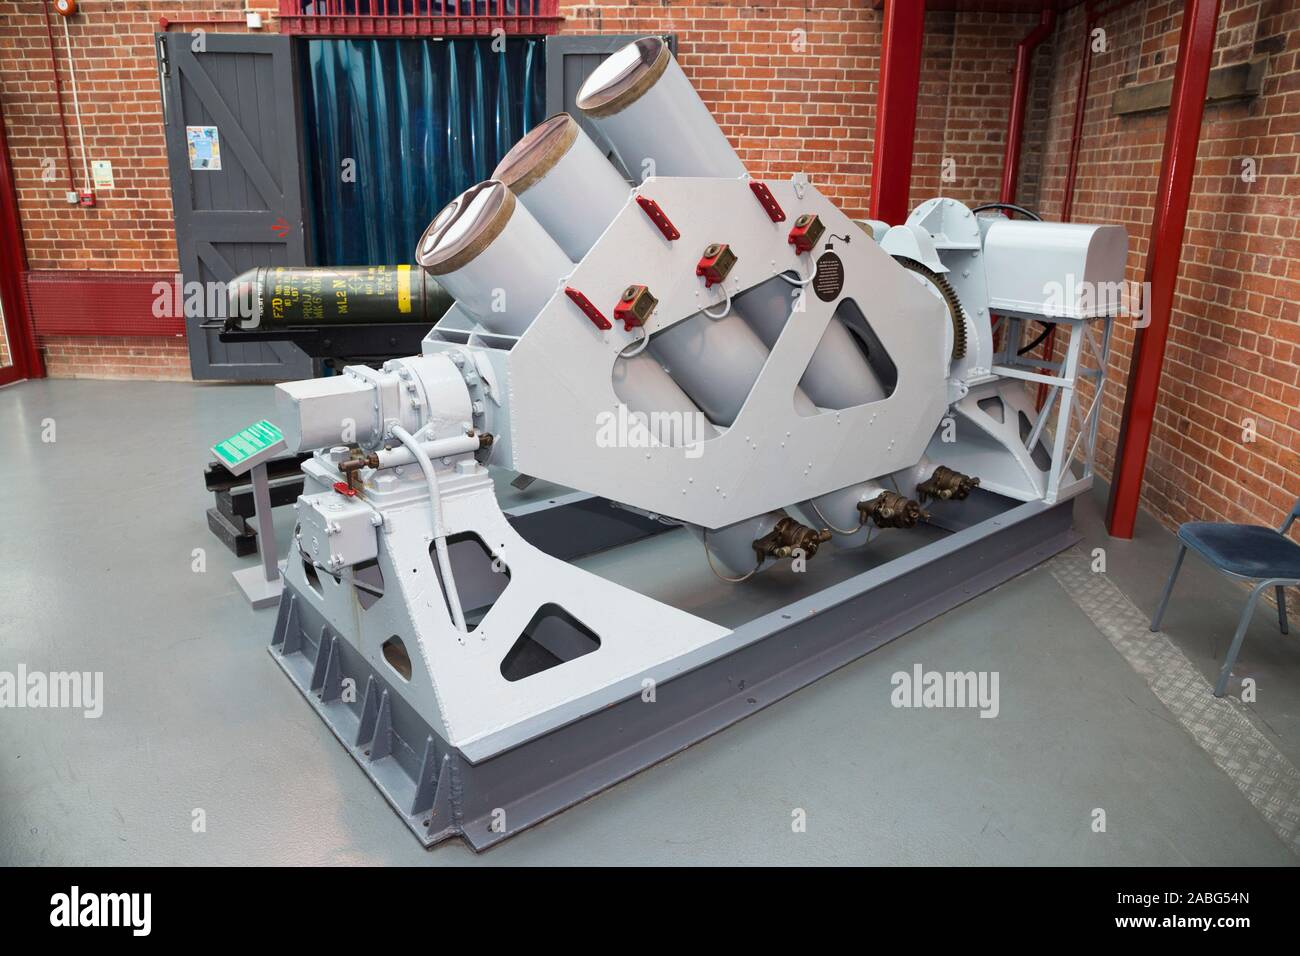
column 394, row 129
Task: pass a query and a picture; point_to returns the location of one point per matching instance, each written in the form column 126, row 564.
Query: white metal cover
column 561, row 368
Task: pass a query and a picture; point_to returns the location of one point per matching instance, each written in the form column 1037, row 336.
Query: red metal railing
column 419, row 17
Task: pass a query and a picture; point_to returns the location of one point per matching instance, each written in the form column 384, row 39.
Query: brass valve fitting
column 946, row 484
column 889, row 509
column 788, row 537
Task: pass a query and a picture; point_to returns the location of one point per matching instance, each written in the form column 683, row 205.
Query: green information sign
column 239, row 448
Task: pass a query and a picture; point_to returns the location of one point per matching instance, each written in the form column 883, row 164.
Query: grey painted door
column 570, row 60
column 249, row 211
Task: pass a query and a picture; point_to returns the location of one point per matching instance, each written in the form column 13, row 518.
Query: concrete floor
column 97, row 535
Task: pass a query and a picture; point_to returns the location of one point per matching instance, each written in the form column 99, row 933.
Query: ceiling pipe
column 1020, row 98
column 900, row 80
column 1183, row 132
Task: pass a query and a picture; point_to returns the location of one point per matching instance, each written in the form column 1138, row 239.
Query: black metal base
column 440, row 793
column 234, row 504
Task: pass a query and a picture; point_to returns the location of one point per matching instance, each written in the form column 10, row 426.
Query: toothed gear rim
column 949, row 294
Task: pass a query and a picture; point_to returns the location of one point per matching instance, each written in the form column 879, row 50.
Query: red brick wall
column 156, row 358
column 794, row 88
column 805, row 101
column 1234, row 346
column 790, row 100
column 131, row 226
column 963, row 107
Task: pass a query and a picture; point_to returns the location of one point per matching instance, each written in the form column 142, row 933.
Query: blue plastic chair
column 1249, row 553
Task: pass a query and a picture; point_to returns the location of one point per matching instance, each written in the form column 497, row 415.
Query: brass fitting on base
column 788, row 537
column 946, row 484
column 889, row 509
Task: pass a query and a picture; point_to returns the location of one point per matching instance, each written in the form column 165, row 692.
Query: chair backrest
column 1295, row 513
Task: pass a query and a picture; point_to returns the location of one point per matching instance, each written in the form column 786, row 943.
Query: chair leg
column 1235, row 647
column 1169, row 587
column 1281, row 609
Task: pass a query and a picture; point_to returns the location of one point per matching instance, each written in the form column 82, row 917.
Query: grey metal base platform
column 440, row 793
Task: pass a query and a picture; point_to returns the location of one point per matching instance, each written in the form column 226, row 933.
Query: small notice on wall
column 101, row 170
column 205, row 147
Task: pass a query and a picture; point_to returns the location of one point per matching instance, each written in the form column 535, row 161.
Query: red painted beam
column 1195, row 54
column 24, row 354
column 1091, row 19
column 1080, row 108
column 900, row 81
column 1020, row 100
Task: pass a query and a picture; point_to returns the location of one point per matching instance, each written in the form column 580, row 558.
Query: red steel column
column 1091, row 18
column 1195, row 53
column 900, row 81
column 1080, row 107
column 24, row 354
column 1020, row 98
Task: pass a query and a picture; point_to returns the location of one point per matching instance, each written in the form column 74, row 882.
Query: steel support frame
column 24, row 354
column 902, row 36
column 1086, row 355
column 1187, row 107
column 440, row 793
column 1092, row 16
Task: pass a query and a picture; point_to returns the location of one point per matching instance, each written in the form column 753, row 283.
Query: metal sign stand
column 262, row 586
column 250, row 450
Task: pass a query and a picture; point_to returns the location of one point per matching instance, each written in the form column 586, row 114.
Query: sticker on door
column 205, row 147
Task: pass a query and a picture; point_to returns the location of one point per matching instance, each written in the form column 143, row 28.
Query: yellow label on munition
column 404, row 288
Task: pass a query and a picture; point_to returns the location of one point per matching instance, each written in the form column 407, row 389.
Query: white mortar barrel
column 644, row 387
column 716, row 361
column 731, row 549
column 642, row 101
column 560, row 175
column 839, row 511
column 487, row 250
column 566, row 182
column 838, row 375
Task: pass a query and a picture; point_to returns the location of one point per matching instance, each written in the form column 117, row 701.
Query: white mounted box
column 1055, row 269
column 317, row 411
column 336, row 531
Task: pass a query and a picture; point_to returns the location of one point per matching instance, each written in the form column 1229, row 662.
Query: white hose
column 800, row 282
column 439, row 536
column 725, row 310
column 76, row 104
column 456, row 445
column 641, row 343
